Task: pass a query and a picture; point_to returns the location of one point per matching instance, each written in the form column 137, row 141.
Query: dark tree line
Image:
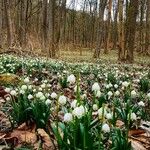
column 100, row 25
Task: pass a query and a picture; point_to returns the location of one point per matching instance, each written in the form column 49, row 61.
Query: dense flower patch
column 85, row 106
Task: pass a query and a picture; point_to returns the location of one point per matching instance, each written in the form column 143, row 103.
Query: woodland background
column 99, row 26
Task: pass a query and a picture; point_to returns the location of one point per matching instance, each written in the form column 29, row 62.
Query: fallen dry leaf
column 135, row 132
column 119, row 123
column 46, row 141
column 137, row 145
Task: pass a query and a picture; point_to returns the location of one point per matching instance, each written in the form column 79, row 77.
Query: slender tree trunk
column 121, row 48
column 147, row 37
column 8, row 21
column 100, row 32
column 131, row 29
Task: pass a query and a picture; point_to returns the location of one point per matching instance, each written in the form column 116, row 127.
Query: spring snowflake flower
column 39, row 95
column 62, row 100
column 117, row 93
column 54, row 95
column 24, row 87
column 102, row 112
column 105, row 128
column 30, row 96
column 133, row 116
column 125, row 84
column 141, row 103
column 48, row 102
column 95, row 87
column 79, row 111
column 109, row 93
column 116, row 86
column 95, row 107
column 98, row 94
column 13, row 93
column 7, row 90
column 26, row 80
column 68, row 117
column 109, row 116
column 43, row 85
column 148, row 95
column 22, row 92
column 133, row 94
column 8, row 98
column 71, row 79
column 74, row 104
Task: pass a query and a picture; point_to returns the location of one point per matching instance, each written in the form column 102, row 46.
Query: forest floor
column 43, row 102
column 87, row 56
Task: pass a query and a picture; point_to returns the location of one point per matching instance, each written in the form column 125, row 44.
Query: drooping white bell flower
column 71, row 79
column 79, row 111
column 74, row 104
column 62, row 100
column 54, row 95
column 30, row 96
column 102, row 112
column 48, row 102
column 95, row 107
column 95, row 87
column 26, row 80
column 24, row 87
column 141, row 103
column 13, row 93
column 109, row 116
column 68, row 117
column 105, row 128
column 133, row 93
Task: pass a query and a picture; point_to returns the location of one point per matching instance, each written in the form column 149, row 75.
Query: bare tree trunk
column 1, row 22
column 8, row 22
column 131, row 29
column 100, row 32
column 147, row 37
column 121, row 48
column 108, row 35
column 52, row 50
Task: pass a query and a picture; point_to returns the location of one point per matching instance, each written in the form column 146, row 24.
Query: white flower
column 95, row 87
column 30, row 96
column 148, row 95
column 117, row 93
column 39, row 95
column 21, row 91
column 84, row 96
column 107, row 86
column 110, row 85
column 133, row 116
column 105, row 128
column 116, row 86
column 102, row 112
column 26, row 80
column 95, row 107
column 109, row 116
column 79, row 111
column 54, row 95
column 43, row 85
column 30, row 87
column 13, row 93
column 133, row 94
column 7, row 98
column 125, row 84
column 24, row 87
column 109, row 93
column 68, row 117
column 34, row 90
column 141, row 103
column 7, row 90
column 40, row 89
column 74, row 104
column 98, row 94
column 48, row 102
column 62, row 100
column 42, row 97
column 71, row 79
